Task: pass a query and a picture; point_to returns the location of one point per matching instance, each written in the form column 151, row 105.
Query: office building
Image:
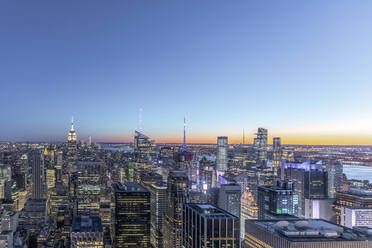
column 33, row 215
column 143, row 148
column 87, row 187
column 86, row 232
column 58, row 205
column 229, row 198
column 158, row 205
column 306, row 233
column 132, row 215
column 276, row 201
column 5, row 179
column 50, row 178
column 277, row 155
column 353, row 207
column 355, row 217
column 38, row 177
column 334, row 172
column 310, row 182
column 205, row 225
column 176, row 196
column 260, row 147
column 221, row 157
column 322, row 208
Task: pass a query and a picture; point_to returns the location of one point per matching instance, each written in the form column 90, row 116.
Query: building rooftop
column 312, row 230
column 128, row 187
column 358, row 192
column 86, row 224
column 210, row 211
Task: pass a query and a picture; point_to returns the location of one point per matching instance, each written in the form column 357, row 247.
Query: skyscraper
column 184, row 147
column 87, row 187
column 38, row 178
column 143, row 147
column 178, row 183
column 274, row 201
column 205, row 225
column 132, row 215
column 71, row 146
column 158, row 205
column 260, row 147
column 334, row 172
column 221, row 159
column 277, row 155
column 310, row 181
column 229, row 198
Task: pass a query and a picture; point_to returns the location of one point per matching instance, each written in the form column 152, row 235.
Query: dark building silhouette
column 205, row 225
column 132, row 215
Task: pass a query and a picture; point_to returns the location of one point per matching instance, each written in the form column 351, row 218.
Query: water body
column 358, row 172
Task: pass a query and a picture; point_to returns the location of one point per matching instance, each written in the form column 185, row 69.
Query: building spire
column 184, row 147
column 72, row 123
column 243, row 137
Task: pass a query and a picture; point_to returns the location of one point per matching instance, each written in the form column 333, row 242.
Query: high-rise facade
column 5, row 178
column 158, row 205
column 88, row 188
column 277, row 155
column 176, row 196
column 86, row 232
column 38, row 177
column 353, row 207
column 143, row 147
column 335, row 174
column 221, row 157
column 275, row 201
column 310, row 181
column 205, row 225
column 229, row 198
column 260, row 147
column 132, row 215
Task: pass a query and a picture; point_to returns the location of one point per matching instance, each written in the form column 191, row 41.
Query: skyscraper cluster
column 147, row 194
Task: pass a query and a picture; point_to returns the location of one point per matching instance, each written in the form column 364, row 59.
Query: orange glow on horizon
column 289, row 139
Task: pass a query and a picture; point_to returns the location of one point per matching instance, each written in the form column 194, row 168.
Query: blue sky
column 302, row 69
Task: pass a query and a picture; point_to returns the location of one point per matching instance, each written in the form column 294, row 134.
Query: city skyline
column 299, row 69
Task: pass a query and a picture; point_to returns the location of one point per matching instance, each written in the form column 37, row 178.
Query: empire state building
column 71, row 146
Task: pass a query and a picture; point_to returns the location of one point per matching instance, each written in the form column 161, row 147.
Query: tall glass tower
column 221, row 159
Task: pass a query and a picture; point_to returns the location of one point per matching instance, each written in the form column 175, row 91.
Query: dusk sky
column 301, row 69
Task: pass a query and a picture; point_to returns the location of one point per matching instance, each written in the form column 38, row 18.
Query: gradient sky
column 302, row 69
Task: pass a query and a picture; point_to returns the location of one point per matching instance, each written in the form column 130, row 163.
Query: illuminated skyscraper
column 50, row 178
column 310, row 181
column 221, row 159
column 87, row 187
column 260, row 147
column 143, row 148
column 5, row 177
column 71, row 146
column 184, row 147
column 132, row 215
column 178, row 183
column 275, row 201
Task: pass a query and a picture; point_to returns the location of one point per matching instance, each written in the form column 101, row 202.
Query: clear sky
column 302, row 69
